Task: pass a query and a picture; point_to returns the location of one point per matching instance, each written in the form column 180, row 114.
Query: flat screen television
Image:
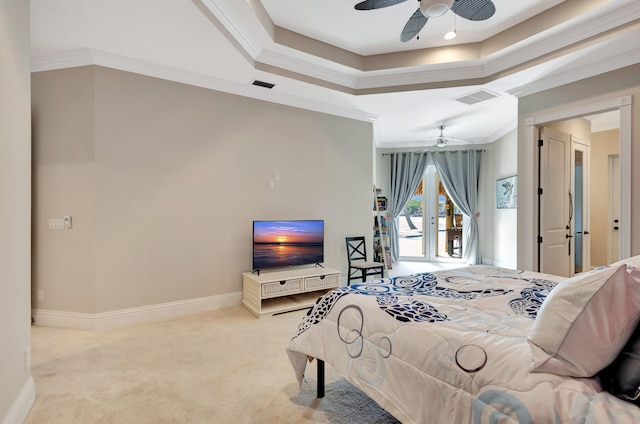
column 278, row 244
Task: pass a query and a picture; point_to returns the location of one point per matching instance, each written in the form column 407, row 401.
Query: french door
column 422, row 227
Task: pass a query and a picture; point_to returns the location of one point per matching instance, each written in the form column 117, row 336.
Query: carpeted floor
column 223, row 366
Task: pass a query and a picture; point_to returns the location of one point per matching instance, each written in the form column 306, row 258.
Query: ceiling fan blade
column 415, row 23
column 457, row 141
column 376, row 4
column 450, row 140
column 474, row 10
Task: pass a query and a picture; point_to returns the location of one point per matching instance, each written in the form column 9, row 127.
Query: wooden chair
column 359, row 267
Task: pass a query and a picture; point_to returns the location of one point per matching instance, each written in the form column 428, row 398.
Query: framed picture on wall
column 507, row 192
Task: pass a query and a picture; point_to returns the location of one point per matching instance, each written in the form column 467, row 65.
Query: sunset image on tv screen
column 286, row 243
column 288, row 232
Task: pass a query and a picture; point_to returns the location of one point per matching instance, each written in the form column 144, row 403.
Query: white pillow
column 585, row 321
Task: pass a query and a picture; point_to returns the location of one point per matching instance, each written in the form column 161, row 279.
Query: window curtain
column 459, row 172
column 406, row 172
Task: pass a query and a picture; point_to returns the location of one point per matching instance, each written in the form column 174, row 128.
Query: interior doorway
column 528, row 206
column 613, row 215
column 573, row 170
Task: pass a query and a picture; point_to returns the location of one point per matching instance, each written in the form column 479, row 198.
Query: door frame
column 528, row 202
column 429, row 219
column 610, row 209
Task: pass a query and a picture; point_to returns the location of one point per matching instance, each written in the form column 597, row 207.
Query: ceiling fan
column 442, row 141
column 473, row 10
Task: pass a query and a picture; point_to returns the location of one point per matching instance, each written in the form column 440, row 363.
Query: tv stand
column 274, row 292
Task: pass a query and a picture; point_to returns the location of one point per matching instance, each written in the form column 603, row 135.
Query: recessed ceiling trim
column 591, row 27
column 279, row 60
column 236, row 29
column 423, row 76
column 596, row 22
column 603, row 65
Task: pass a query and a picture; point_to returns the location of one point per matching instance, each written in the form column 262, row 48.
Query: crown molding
column 601, row 66
column 290, row 63
column 234, row 25
column 67, row 59
column 88, row 57
column 569, row 34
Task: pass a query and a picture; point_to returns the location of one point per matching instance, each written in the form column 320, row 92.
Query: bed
column 482, row 344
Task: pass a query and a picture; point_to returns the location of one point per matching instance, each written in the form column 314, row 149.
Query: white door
column 555, row 220
column 613, row 236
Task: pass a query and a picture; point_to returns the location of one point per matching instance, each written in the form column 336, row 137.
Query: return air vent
column 476, row 97
column 263, row 84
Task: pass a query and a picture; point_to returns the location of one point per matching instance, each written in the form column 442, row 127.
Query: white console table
column 271, row 292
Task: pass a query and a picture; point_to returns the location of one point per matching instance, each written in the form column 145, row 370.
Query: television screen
column 287, row 243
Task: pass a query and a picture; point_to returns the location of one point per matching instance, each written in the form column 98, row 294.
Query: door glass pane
column 410, row 226
column 577, row 212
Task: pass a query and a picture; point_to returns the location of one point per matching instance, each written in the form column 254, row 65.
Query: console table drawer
column 322, row 282
column 293, row 285
column 276, row 292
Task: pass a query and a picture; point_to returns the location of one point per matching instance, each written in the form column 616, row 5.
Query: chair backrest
column 356, row 250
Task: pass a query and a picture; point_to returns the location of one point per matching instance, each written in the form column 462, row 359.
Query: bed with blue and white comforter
column 449, row 347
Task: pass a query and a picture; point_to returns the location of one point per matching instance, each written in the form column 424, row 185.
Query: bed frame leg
column 320, row 378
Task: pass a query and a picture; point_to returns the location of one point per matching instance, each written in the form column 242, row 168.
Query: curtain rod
column 432, row 151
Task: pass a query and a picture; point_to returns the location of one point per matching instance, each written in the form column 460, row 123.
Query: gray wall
column 498, row 227
column 16, row 385
column 163, row 181
column 605, row 87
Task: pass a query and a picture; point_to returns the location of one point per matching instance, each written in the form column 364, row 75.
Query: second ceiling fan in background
column 442, row 141
column 473, row 10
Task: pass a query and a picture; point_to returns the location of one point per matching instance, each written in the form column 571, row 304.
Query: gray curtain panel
column 460, row 172
column 406, row 172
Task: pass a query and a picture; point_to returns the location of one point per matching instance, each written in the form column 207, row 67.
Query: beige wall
column 174, row 175
column 590, row 91
column 578, row 127
column 16, row 385
column 64, row 184
column 603, row 144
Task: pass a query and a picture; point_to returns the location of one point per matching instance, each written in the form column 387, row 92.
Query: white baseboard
column 22, row 405
column 131, row 316
column 498, row 263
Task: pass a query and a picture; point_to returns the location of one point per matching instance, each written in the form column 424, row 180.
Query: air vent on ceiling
column 262, row 84
column 476, row 97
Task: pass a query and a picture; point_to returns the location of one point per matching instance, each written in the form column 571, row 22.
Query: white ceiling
column 328, row 57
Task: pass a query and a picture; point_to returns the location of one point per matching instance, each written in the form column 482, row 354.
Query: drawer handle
column 283, row 282
column 322, row 277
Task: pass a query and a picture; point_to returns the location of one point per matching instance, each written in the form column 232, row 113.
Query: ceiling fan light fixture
column 435, row 8
column 450, row 35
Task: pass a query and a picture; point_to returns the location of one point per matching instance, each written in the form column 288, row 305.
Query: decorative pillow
column 585, row 321
column 622, row 377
